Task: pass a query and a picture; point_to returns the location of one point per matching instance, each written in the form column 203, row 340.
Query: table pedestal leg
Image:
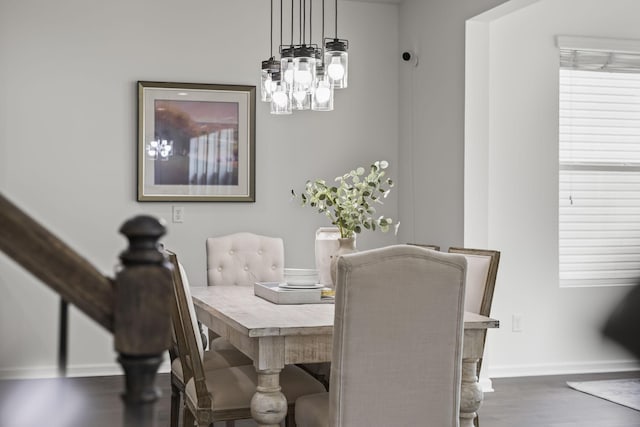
column 471, row 394
column 268, row 405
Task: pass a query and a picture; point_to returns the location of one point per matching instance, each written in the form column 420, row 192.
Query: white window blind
column 599, row 160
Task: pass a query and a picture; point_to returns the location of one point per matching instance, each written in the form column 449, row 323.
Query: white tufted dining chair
column 241, row 259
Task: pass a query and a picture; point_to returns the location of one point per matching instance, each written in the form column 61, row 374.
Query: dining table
column 275, row 335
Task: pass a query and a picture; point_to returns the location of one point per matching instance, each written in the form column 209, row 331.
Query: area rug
column 623, row 392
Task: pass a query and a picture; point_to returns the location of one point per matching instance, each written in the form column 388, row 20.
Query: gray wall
column 512, row 162
column 68, row 140
column 432, row 119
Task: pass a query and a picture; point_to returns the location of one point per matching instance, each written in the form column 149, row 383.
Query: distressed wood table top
column 275, row 335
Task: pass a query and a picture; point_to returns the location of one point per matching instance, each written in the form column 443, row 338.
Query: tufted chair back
column 241, row 259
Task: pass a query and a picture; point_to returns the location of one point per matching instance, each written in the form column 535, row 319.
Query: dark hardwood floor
column 546, row 401
column 516, row 402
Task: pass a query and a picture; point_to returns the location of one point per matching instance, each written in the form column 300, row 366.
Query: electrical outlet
column 178, row 213
column 516, row 323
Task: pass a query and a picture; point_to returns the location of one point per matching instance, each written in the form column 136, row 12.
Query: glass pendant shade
column 265, row 86
column 286, row 66
column 322, row 99
column 304, row 68
column 300, row 99
column 336, row 63
column 280, row 99
column 304, row 76
column 322, row 96
column 304, row 73
column 269, row 68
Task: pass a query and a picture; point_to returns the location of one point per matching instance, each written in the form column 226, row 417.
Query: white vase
column 346, row 246
column 326, row 246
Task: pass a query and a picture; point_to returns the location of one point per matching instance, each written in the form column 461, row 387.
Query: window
column 599, row 164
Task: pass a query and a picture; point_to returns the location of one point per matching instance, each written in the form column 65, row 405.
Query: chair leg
column 290, row 419
column 175, row 405
column 206, row 338
column 319, row 371
column 188, row 419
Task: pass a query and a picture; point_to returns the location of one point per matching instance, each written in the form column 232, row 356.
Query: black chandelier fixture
column 305, row 76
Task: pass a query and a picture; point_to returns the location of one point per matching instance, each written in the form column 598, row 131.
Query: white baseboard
column 485, row 382
column 562, row 368
column 107, row 369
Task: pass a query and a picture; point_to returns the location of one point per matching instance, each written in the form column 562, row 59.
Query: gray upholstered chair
column 224, row 394
column 397, row 297
column 241, row 259
column 482, row 271
column 211, row 359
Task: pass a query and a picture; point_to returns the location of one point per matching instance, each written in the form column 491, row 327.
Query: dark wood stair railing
column 63, row 337
column 134, row 307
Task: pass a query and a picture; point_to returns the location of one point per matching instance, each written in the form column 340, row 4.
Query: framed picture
column 196, row 142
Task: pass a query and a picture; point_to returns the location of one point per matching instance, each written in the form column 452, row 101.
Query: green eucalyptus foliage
column 350, row 204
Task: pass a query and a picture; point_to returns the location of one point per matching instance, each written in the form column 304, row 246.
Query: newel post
column 142, row 322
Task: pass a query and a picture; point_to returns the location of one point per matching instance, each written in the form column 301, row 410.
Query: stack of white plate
column 300, row 278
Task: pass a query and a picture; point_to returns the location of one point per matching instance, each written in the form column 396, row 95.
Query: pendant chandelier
column 306, row 75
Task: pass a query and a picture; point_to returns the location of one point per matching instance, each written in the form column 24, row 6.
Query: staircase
column 134, row 306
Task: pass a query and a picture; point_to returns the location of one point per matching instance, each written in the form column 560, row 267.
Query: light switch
column 178, row 213
column 516, row 323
